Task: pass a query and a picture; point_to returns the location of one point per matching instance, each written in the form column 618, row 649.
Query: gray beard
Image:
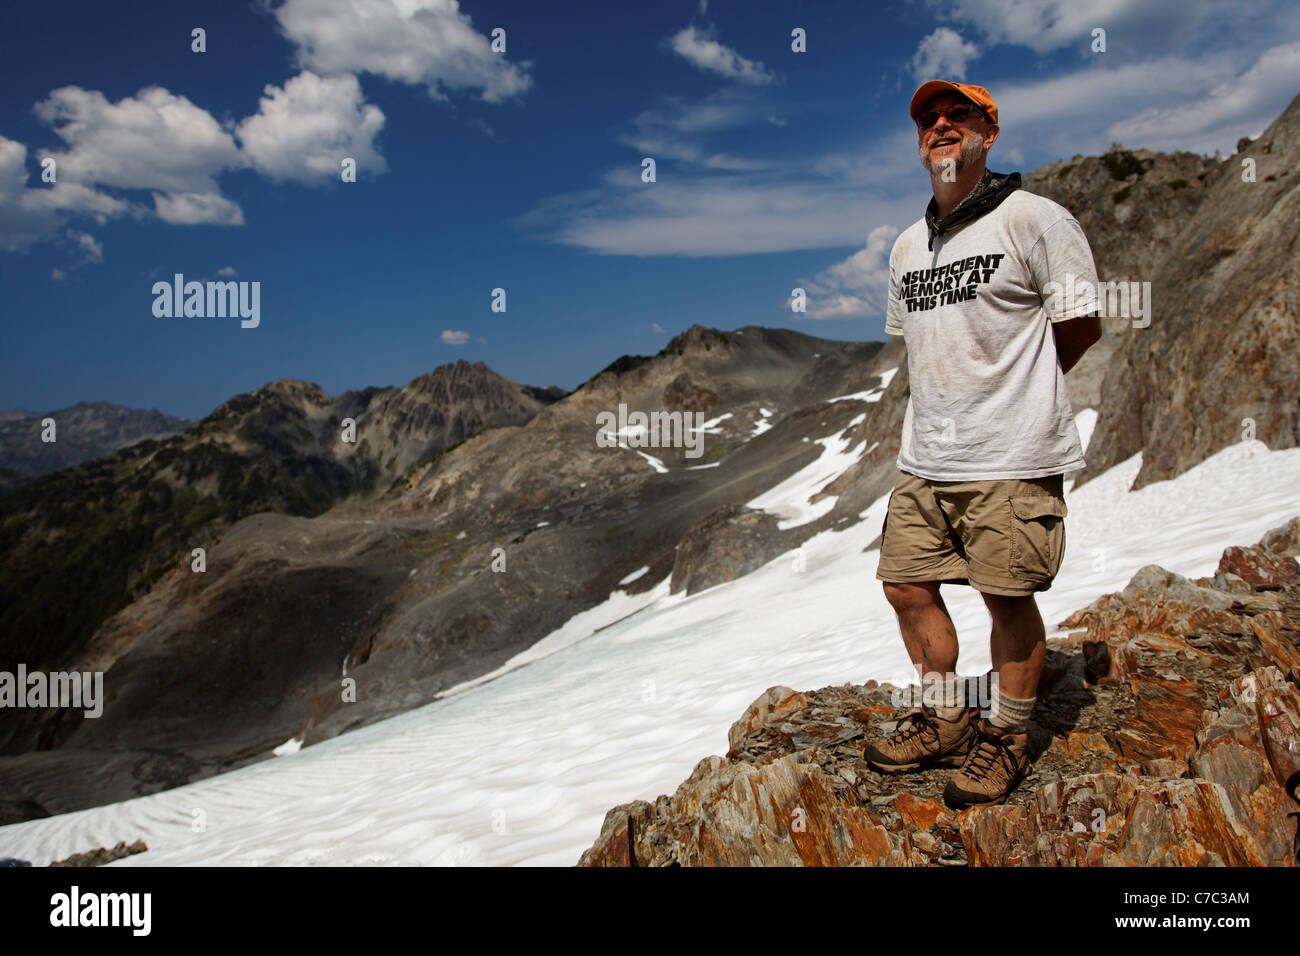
column 971, row 148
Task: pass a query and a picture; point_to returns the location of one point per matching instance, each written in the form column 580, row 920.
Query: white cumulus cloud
column 305, row 130
column 455, row 336
column 153, row 140
column 856, row 287
column 943, row 55
column 428, row 42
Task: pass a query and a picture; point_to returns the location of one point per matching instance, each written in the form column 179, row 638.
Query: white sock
column 1011, row 713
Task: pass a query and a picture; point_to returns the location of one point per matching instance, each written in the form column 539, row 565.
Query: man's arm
column 1074, row 337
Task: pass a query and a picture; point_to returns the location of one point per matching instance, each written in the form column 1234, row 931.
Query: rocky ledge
column 1166, row 733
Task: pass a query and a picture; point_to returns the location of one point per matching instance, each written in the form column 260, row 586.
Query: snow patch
column 655, row 463
column 290, row 746
column 634, row 575
column 871, row 395
column 789, row 500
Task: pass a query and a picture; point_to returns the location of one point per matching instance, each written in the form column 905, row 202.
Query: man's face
column 963, row 143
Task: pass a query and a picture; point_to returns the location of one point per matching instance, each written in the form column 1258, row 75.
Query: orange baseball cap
column 976, row 94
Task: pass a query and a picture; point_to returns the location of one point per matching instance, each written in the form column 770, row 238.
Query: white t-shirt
column 988, row 396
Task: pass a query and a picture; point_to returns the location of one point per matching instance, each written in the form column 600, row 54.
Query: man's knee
column 1005, row 607
column 912, row 596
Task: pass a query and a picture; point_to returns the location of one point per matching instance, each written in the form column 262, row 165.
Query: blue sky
column 522, row 170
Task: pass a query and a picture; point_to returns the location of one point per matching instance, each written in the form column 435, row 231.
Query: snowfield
column 519, row 767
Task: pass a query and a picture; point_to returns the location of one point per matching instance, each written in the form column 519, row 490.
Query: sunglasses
column 956, row 114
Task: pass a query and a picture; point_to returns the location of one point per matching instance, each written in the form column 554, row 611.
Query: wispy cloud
column 739, row 214
column 488, row 131
column 706, row 53
column 1200, row 104
column 1239, row 106
column 90, row 249
column 686, row 130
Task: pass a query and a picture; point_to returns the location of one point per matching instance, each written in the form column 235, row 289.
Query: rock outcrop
column 730, row 543
column 101, row 855
column 1166, row 733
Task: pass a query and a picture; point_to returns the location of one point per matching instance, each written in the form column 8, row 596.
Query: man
column 975, row 289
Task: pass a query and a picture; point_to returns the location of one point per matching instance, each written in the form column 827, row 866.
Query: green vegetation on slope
column 78, row 545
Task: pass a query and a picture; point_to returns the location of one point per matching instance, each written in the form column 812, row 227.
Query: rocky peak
column 698, row 340
column 294, row 390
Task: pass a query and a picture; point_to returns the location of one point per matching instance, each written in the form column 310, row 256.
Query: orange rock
column 775, row 704
column 1164, row 767
column 1259, row 567
column 614, row 847
column 1077, row 743
column 732, row 813
column 1274, row 636
column 1164, row 722
column 1113, row 820
column 921, row 813
column 1278, row 707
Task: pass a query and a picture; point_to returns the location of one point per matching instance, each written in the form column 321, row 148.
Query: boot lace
column 991, row 751
column 917, row 724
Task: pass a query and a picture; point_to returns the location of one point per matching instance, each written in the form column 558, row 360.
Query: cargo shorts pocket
column 1037, row 537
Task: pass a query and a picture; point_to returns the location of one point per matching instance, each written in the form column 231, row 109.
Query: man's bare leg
column 1017, row 644
column 939, row 732
column 927, row 628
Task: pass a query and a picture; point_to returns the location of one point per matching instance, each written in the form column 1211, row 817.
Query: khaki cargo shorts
column 1004, row 536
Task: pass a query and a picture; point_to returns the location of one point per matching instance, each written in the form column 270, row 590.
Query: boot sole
column 991, row 803
column 949, row 760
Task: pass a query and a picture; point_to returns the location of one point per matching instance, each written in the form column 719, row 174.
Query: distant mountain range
column 83, row 432
column 475, row 515
column 128, row 516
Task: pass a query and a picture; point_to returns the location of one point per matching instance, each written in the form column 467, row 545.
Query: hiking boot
column 994, row 767
column 923, row 739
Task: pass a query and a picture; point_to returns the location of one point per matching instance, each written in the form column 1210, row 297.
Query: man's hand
column 1074, row 337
